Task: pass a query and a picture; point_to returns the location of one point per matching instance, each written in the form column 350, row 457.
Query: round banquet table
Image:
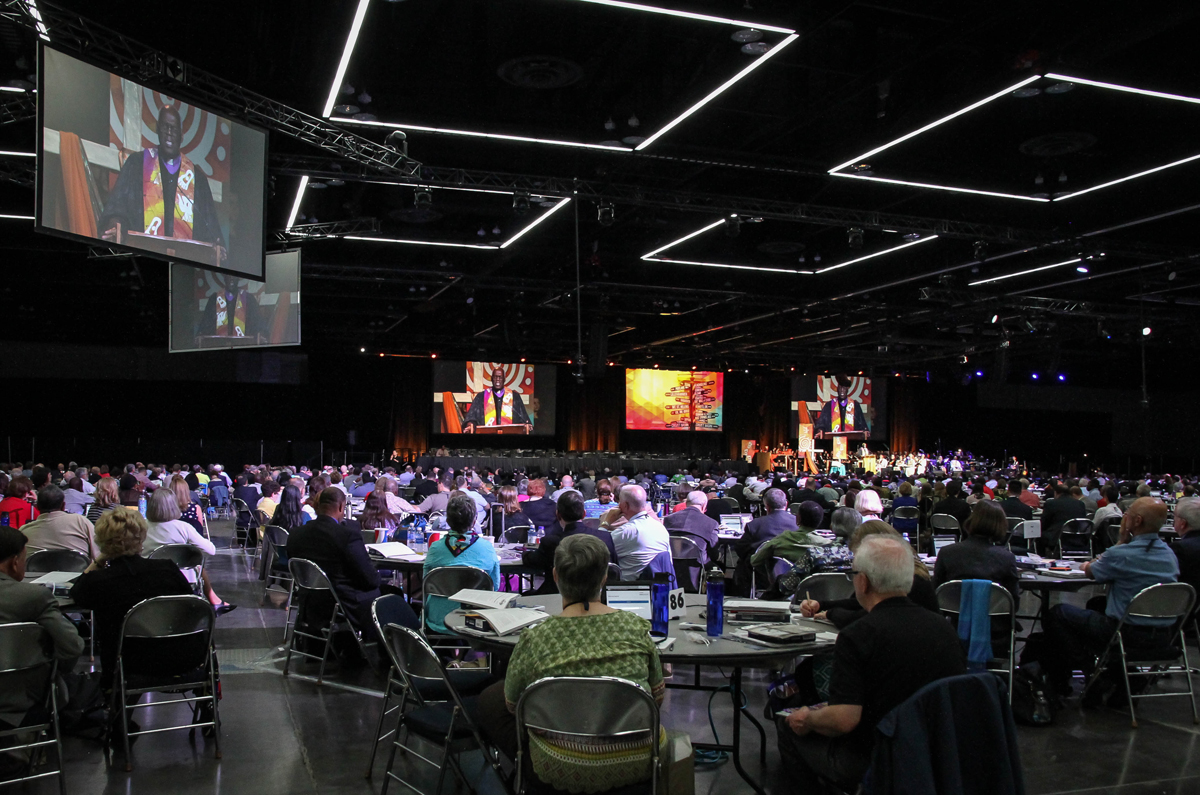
column 725, row 651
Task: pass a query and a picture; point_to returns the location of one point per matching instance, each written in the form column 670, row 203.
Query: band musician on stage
column 497, row 406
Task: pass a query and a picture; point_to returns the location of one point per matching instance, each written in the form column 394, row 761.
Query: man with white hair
column 1187, row 546
column 636, row 532
column 568, row 484
column 693, row 524
column 879, row 661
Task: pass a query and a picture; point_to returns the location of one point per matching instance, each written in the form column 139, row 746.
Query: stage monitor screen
column 493, row 399
column 852, row 406
column 674, row 400
column 120, row 165
column 213, row 311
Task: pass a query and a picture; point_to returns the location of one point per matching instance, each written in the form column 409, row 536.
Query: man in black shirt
column 570, row 513
column 1012, row 505
column 879, row 661
column 1187, row 546
column 954, row 504
column 1055, row 513
column 426, row 487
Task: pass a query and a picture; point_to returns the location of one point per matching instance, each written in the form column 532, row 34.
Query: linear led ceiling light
column 790, row 36
column 483, row 246
column 296, row 204
column 348, row 51
column 653, row 255
column 838, row 171
column 16, row 217
column 6, row 153
column 1024, row 273
column 878, row 254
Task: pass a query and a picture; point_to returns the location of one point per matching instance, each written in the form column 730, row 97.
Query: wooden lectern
column 501, row 430
column 195, row 251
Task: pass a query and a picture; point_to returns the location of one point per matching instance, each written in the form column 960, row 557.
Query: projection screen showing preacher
column 847, row 406
column 125, row 166
column 211, row 310
column 674, row 400
column 493, row 398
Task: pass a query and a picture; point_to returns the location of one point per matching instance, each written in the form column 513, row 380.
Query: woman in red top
column 15, row 506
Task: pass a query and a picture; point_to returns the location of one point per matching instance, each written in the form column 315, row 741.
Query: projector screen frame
column 164, row 87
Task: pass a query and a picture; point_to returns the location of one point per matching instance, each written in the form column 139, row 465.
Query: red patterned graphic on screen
column 517, row 377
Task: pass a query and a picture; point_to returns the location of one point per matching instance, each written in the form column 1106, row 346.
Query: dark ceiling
column 859, row 76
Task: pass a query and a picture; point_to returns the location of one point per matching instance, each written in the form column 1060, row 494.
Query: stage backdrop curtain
column 412, row 403
column 756, row 407
column 592, row 414
column 904, row 416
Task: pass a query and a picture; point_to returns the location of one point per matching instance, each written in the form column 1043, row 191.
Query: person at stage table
column 160, row 192
column 842, row 415
column 497, row 406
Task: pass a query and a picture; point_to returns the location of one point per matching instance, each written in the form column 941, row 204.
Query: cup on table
column 434, row 537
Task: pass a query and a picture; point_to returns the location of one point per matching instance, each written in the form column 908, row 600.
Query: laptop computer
column 632, row 598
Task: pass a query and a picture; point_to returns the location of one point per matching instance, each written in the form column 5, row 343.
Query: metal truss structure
column 17, row 107
column 352, row 226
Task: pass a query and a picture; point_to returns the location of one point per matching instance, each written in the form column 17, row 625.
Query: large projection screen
column 674, row 400
column 126, row 167
column 465, row 399
column 211, row 310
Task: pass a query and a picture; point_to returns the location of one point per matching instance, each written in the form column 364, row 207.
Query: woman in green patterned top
column 586, row 639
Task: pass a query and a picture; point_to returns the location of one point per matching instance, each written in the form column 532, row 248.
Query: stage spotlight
column 1034, row 376
column 1146, row 331
column 362, row 350
column 397, row 141
column 1082, row 269
column 1062, row 377
column 606, row 214
column 854, row 237
column 733, row 226
column 521, row 203
column 423, row 199
column 979, row 373
column 995, row 318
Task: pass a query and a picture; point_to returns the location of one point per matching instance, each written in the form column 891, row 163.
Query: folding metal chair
column 827, row 586
column 943, row 524
column 517, row 534
column 685, row 557
column 244, row 518
column 1173, row 600
column 48, row 560
column 1076, row 533
column 309, row 579
column 449, row 724
column 275, row 540
column 26, row 665
column 444, row 582
column 185, row 556
column 552, row 704
column 166, row 646
column 949, row 596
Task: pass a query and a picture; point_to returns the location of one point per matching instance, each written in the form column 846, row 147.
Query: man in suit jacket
column 810, row 494
column 777, row 520
column 338, row 548
column 954, row 504
column 570, row 514
column 1013, row 505
column 1055, row 513
column 21, row 601
column 694, row 524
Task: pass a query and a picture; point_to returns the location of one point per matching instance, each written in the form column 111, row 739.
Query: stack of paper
column 391, row 549
column 493, row 599
column 52, row 578
column 501, row 622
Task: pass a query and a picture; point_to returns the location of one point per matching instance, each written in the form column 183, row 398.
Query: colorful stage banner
column 806, row 438
column 839, row 448
column 749, row 448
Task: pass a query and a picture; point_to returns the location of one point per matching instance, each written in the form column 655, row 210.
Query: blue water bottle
column 142, row 505
column 660, row 608
column 716, row 602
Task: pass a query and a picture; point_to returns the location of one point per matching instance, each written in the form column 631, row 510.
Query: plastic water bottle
column 660, row 609
column 4, row 522
column 142, row 505
column 716, row 602
column 410, row 540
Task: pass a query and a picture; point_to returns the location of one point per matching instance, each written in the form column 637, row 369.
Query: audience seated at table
column 105, row 497
column 434, row 503
column 587, row 639
column 981, row 555
column 388, row 489
column 604, row 495
column 792, row 545
column 843, row 612
column 775, row 521
column 56, row 529
column 120, row 578
column 1187, row 546
column 457, row 547
column 377, row 517
column 1015, row 504
column 511, row 513
column 23, row 601
column 692, row 523
column 637, row 534
column 894, row 650
column 570, row 515
column 539, row 508
column 16, row 502
column 1074, row 635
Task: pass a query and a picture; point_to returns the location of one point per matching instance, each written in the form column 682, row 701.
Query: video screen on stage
column 674, row 400
column 493, row 398
column 124, row 166
column 211, row 310
column 851, row 406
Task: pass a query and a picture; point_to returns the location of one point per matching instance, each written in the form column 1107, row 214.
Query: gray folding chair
column 943, row 524
column 185, row 556
column 166, row 646
column 1174, row 600
column 552, row 704
column 242, row 522
column 448, row 724
column 27, row 666
column 949, row 596
column 909, row 513
column 517, row 534
column 446, row 581
column 308, row 579
column 1076, row 533
column 48, row 560
column 275, row 566
column 825, row 587
column 687, row 557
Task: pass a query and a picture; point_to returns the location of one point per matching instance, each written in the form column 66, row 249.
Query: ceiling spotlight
column 362, row 350
column 521, row 203
column 364, row 98
column 1062, row 377
column 979, row 373
column 346, row 110
column 1171, row 276
column 854, row 236
column 1059, row 88
column 634, row 121
column 482, row 232
column 397, row 141
column 1146, row 331
column 733, row 226
column 1034, row 376
column 912, row 237
column 1082, row 268
column 423, row 199
column 1025, row 92
column 756, row 48
column 606, row 214
column 995, row 318
column 496, row 229
column 746, row 35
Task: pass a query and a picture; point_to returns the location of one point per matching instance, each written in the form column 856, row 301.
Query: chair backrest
column 684, row 547
column 659, row 564
column 1110, row 529
column 277, row 536
column 1014, row 522
column 779, row 567
column 185, row 556
column 449, row 580
column 906, row 512
column 1165, row 600
column 170, row 620
column 413, row 657
column 614, row 573
column 733, row 504
column 944, row 521
column 22, row 647
column 1079, row 527
column 517, row 534
column 949, row 596
column 307, row 574
column 56, row 560
column 825, row 587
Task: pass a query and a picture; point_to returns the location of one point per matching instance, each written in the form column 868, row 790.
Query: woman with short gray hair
column 587, row 638
column 844, row 521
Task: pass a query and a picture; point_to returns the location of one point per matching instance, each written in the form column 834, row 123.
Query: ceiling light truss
column 352, row 226
column 17, row 107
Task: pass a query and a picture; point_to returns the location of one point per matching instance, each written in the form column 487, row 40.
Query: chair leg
column 387, row 697
column 1187, row 672
column 214, row 692
column 387, row 771
column 124, row 719
column 1128, row 690
column 62, row 778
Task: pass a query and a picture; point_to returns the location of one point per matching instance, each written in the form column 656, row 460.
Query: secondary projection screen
column 493, row 398
column 852, row 406
column 212, row 310
column 674, row 400
column 124, row 166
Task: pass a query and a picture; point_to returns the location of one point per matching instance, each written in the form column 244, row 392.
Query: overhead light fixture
column 296, row 203
column 816, row 257
column 496, row 229
column 347, row 51
column 1024, row 273
column 950, row 188
column 12, row 89
column 686, row 15
column 434, row 243
column 8, row 217
column 473, row 134
column 733, row 226
column 14, row 153
column 606, row 214
column 746, row 35
column 995, row 318
column 37, row 19
column 423, row 199
column 521, row 203
column 1034, row 376
column 1146, row 331
column 1062, row 377
column 725, row 265
column 756, row 48
column 854, row 237
column 1081, row 268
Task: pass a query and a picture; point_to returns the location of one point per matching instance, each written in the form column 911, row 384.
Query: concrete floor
column 286, row 736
